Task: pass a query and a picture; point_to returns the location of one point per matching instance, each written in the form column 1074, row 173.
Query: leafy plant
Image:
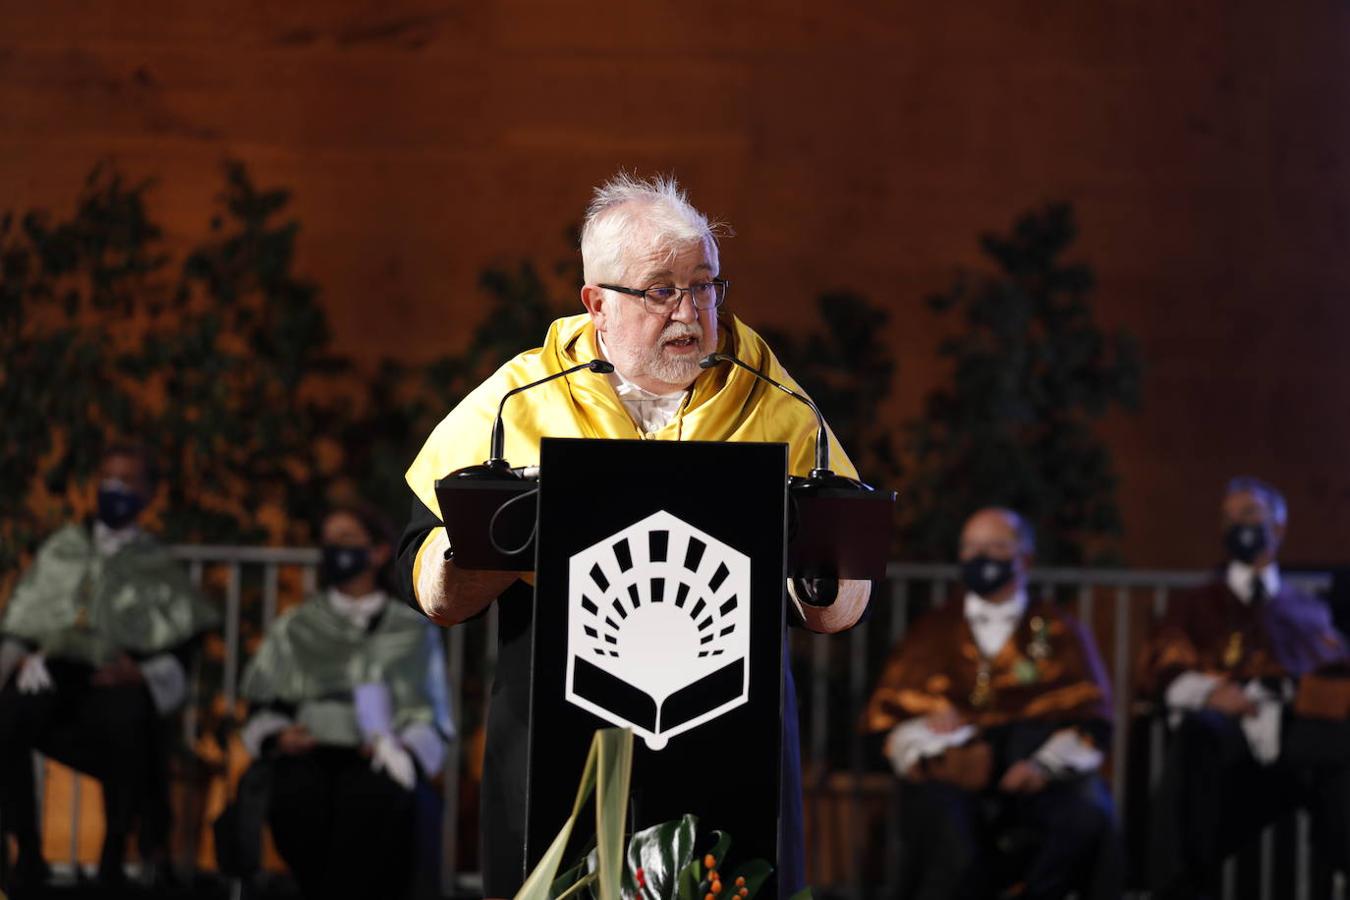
column 1031, row 373
column 661, row 860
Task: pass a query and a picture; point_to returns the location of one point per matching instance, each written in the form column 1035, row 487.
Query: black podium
column 659, row 607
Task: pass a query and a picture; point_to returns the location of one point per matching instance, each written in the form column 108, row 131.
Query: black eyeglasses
column 664, row 299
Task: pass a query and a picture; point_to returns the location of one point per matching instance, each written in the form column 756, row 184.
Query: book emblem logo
column 658, row 628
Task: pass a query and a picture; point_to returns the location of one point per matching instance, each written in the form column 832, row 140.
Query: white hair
column 626, row 210
column 1274, row 500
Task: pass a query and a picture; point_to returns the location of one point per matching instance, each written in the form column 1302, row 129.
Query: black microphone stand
column 496, row 467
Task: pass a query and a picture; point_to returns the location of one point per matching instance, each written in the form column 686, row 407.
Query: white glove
column 392, row 758
column 33, row 677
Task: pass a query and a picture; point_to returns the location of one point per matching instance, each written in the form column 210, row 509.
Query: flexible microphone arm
column 498, row 446
column 822, row 469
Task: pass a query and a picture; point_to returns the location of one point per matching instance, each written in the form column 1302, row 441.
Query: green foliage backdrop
column 221, row 361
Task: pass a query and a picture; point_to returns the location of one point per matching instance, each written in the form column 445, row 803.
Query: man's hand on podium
column 450, row 595
column 841, row 615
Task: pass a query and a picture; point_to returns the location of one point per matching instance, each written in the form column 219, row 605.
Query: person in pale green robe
column 349, row 713
column 94, row 643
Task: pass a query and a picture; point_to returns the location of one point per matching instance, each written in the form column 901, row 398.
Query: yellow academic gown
column 725, row 404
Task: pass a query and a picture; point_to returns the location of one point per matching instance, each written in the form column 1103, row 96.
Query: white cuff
column 167, row 681
column 912, row 741
column 1263, row 729
column 261, row 726
column 1190, row 690
column 1067, row 753
column 426, row 744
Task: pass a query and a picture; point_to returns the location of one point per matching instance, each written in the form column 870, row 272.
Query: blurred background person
column 349, row 721
column 996, row 710
column 94, row 647
column 1255, row 731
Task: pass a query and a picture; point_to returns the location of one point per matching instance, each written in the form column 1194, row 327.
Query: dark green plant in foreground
column 660, row 862
column 1031, row 373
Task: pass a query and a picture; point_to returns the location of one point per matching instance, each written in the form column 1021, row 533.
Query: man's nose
column 684, row 310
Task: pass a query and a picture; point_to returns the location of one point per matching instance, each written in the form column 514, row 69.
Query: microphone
column 822, row 467
column 495, row 461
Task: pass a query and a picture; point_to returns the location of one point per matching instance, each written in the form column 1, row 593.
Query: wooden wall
column 858, row 145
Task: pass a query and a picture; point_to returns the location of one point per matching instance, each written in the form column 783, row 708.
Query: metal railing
column 843, row 782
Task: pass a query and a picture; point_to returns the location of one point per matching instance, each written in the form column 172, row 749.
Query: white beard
column 656, row 363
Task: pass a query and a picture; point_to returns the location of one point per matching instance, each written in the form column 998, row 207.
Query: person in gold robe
column 94, row 650
column 653, row 303
column 996, row 712
column 349, row 722
column 1251, row 674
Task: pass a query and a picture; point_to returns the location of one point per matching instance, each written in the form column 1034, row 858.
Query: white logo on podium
column 658, row 633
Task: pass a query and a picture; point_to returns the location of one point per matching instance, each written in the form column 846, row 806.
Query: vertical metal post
column 857, row 693
column 1303, row 856
column 820, row 699
column 450, row 821
column 899, row 625
column 1157, row 726
column 232, row 604
column 1267, row 862
column 269, row 597
column 74, row 819
column 1121, row 696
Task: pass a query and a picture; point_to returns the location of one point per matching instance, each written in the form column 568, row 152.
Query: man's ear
column 597, row 304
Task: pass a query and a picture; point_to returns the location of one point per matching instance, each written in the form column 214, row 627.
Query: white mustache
column 677, row 330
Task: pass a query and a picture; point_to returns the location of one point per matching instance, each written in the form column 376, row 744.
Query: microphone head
column 602, row 366
column 710, row 360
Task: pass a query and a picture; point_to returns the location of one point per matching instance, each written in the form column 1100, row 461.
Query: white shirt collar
column 993, row 624
column 108, row 541
column 649, row 411
column 1240, row 579
column 358, row 610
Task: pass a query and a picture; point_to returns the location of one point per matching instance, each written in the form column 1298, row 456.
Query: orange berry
column 709, row 897
column 745, row 892
column 709, row 861
column 717, row 887
column 740, row 881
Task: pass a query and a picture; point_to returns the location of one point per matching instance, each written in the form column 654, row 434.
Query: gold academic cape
column 936, row 665
column 726, row 404
column 74, row 604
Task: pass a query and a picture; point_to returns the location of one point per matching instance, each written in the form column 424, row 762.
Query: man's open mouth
column 681, row 343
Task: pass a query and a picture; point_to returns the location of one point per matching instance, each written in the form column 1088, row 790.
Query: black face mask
column 118, row 506
column 342, row 564
column 1245, row 543
column 985, row 575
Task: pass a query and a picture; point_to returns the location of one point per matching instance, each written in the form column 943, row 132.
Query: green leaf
column 611, row 806
column 606, row 773
column 662, row 852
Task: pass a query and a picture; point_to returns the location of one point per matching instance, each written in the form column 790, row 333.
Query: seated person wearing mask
column 94, row 643
column 1246, row 667
column 996, row 710
column 350, row 714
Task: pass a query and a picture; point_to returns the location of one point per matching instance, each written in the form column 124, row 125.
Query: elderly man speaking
column 654, row 308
